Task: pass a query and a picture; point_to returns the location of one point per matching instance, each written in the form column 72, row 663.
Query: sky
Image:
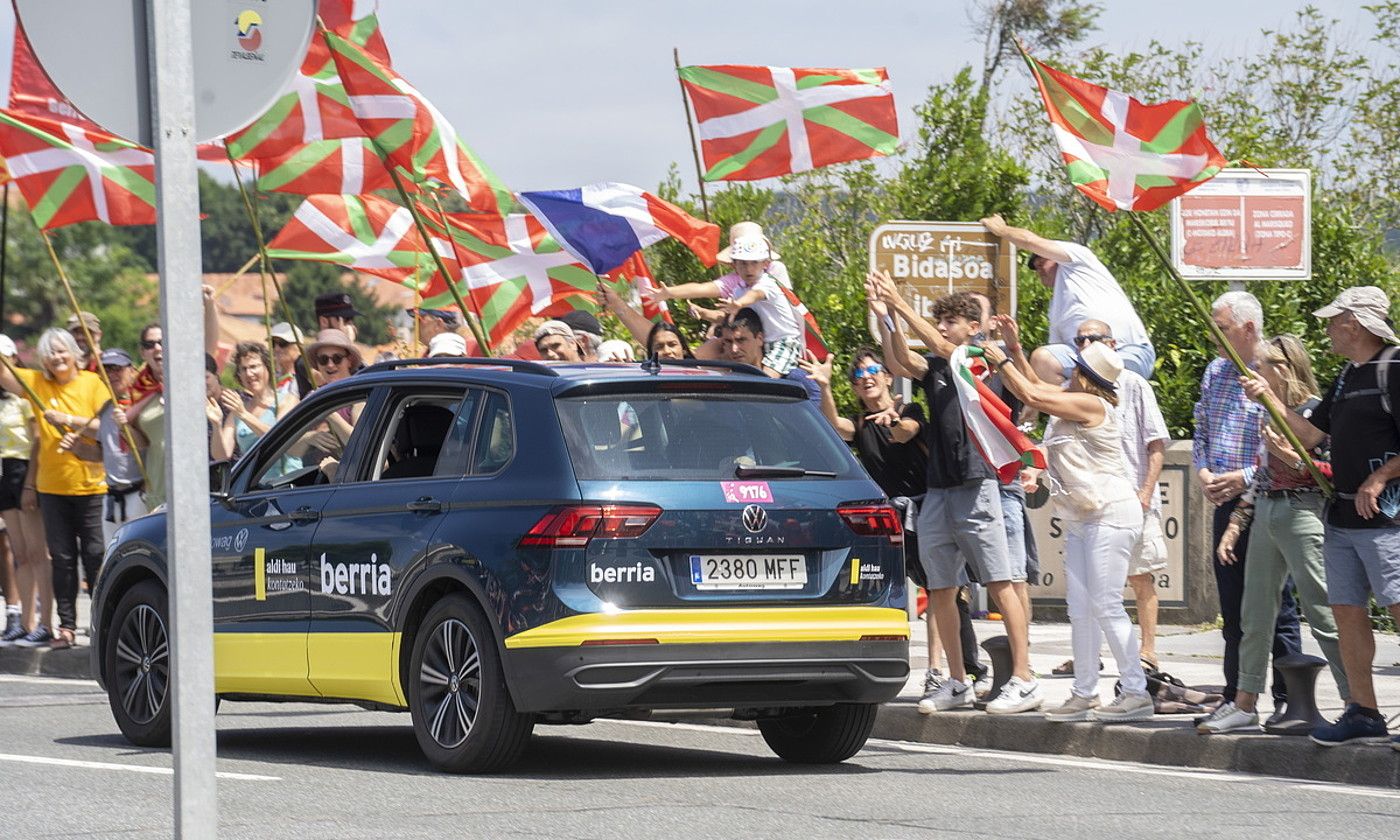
column 554, row 94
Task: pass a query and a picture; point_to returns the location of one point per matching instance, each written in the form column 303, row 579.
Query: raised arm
column 820, row 372
column 1075, row 406
column 1257, row 389
column 211, row 322
column 1011, row 336
column 636, row 323
column 1025, row 239
column 685, row 291
column 925, row 330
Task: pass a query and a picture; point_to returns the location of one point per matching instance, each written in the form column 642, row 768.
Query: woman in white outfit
column 1102, row 515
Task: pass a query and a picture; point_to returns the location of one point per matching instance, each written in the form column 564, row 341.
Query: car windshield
column 697, row 438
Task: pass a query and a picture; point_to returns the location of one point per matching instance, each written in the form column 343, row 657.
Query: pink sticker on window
column 746, row 492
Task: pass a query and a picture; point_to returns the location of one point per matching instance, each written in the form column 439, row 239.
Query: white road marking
column 130, row 768
column 1197, row 773
column 19, row 678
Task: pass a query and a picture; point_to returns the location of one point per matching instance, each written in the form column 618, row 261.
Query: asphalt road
column 306, row 771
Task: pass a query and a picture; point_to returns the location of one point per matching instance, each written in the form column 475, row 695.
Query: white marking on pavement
column 131, row 768
column 1196, row 773
column 19, row 678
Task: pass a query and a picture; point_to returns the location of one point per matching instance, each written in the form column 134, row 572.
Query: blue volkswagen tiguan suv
column 491, row 544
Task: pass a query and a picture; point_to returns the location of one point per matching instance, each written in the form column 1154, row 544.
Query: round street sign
column 245, row 52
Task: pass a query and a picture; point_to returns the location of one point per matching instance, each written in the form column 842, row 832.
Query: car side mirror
column 220, row 476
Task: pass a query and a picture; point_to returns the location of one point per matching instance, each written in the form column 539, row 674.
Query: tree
column 306, row 280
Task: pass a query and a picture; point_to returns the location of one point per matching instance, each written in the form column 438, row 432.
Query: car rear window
column 685, row 437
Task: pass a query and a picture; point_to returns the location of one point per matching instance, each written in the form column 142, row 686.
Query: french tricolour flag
column 604, row 224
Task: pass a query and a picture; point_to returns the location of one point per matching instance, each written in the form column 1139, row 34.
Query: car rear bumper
column 656, row 659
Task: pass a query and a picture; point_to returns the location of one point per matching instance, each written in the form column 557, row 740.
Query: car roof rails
column 653, row 365
column 518, row 365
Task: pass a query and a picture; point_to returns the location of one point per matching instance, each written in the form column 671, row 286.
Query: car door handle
column 426, row 504
column 303, row 515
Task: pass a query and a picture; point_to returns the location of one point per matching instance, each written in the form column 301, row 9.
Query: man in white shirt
column 1082, row 289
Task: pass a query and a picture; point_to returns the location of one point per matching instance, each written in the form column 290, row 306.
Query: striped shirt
column 1228, row 423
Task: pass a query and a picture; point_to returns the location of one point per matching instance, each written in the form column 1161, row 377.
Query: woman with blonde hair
column 1098, row 503
column 19, row 507
column 1286, row 507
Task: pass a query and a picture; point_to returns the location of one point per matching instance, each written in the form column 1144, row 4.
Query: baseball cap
column 447, row 316
column 553, row 328
column 581, row 321
column 283, row 331
column 92, row 321
column 1369, row 304
column 336, row 303
column 116, row 357
column 447, row 344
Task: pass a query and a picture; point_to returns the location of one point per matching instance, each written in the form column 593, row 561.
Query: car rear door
column 386, row 510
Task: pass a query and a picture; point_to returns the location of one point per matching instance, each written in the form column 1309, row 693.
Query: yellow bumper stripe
column 704, row 626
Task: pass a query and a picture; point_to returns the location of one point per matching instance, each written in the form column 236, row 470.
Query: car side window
column 417, row 435
column 311, row 454
column 495, row 442
column 457, row 448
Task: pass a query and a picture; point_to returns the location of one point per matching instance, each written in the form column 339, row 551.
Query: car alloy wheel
column 143, row 664
column 451, row 682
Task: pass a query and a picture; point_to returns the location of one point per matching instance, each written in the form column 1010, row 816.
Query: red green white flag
column 410, row 132
column 1122, row 154
column 364, row 233
column 1005, row 447
column 339, row 167
column 814, row 341
column 510, row 269
column 762, row 122
column 634, row 277
column 315, row 105
column 71, row 174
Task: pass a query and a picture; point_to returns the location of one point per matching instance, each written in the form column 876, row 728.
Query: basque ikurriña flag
column 989, row 421
column 604, row 224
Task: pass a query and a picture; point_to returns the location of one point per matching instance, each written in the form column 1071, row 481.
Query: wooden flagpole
column 265, row 271
column 457, row 254
column 690, row 124
column 94, row 349
column 477, row 329
column 1219, row 336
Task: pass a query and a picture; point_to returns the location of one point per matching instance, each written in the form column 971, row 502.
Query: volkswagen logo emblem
column 755, row 518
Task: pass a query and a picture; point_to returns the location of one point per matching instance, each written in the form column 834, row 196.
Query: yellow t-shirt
column 63, row 473
column 15, row 414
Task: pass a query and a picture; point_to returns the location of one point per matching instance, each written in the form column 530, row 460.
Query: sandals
column 63, row 640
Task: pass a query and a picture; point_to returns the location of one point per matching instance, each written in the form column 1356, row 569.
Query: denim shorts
column 1360, row 562
column 1138, row 358
column 963, row 526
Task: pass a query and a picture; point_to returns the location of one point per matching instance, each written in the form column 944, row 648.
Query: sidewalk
column 1189, row 653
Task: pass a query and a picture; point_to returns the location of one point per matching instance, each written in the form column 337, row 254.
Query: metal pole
column 4, row 244
column 170, row 47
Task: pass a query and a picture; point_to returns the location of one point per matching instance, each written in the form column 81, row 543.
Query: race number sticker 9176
column 725, row 571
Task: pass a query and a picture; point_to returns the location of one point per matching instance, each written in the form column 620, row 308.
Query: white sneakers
column 951, row 694
column 1228, row 717
column 1017, row 695
column 1076, row 708
column 1127, row 707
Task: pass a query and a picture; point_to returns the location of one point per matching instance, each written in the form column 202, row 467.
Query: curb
column 72, row 663
column 1168, row 741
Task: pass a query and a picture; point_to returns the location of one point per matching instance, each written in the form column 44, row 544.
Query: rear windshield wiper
column 761, row 471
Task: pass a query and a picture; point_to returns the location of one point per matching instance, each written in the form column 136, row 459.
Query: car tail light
column 574, row 526
column 873, row 521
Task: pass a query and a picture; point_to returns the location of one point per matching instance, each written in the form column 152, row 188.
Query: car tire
column 138, row 665
column 454, row 665
column 825, row 736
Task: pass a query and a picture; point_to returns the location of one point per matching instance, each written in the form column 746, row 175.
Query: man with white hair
column 1224, row 451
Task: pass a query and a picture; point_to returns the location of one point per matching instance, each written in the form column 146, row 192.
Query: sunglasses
column 326, row 359
column 868, row 370
column 1081, row 340
column 151, row 344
